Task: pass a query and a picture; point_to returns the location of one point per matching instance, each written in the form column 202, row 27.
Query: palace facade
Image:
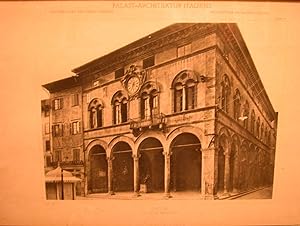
column 182, row 109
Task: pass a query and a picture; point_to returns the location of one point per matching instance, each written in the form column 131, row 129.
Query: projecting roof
column 62, row 84
column 54, row 176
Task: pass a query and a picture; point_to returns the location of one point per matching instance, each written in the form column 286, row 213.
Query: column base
column 167, row 195
column 223, row 195
column 136, row 194
column 209, row 197
column 111, row 193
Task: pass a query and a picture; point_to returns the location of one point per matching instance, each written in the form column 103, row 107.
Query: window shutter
column 53, row 104
column 79, row 126
column 53, row 130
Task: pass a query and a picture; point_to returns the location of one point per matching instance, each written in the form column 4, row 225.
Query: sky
column 42, row 42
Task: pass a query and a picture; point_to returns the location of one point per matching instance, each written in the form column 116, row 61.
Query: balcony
column 153, row 122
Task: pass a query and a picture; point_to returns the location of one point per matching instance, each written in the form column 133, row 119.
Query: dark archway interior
column 233, row 166
column 98, row 170
column 186, row 163
column 151, row 165
column 122, row 167
column 221, row 169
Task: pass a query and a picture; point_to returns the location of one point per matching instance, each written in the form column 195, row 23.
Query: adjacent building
column 182, row 109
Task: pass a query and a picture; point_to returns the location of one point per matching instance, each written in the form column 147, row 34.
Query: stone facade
column 169, row 112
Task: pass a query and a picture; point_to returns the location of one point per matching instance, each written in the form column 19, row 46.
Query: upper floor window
column 225, row 92
column 57, row 103
column 148, row 62
column 252, row 123
column 47, row 112
column 258, row 127
column 120, row 111
column 47, row 144
column 76, row 154
column 75, row 127
column 185, row 92
column 149, row 100
column 184, row 50
column 262, row 132
column 58, row 130
column 48, row 160
column 47, row 128
column 266, row 134
column 57, row 156
column 119, row 73
column 237, row 105
column 269, row 138
column 95, row 113
column 75, row 99
column 246, row 114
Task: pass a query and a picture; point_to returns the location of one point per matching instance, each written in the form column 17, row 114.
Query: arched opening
column 122, row 167
column 151, row 165
column 95, row 114
column 119, row 106
column 98, row 170
column 184, row 88
column 243, row 168
column 221, row 169
column 186, row 163
column 251, row 167
column 233, row 181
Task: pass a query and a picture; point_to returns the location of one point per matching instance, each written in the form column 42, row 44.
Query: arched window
column 95, row 114
column 225, row 91
column 269, row 138
column 119, row 106
column 262, row 132
column 258, row 127
column 237, row 105
column 149, row 100
column 184, row 88
column 246, row 114
column 252, row 123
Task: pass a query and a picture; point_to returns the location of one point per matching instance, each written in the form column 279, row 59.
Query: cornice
column 110, row 61
column 231, row 34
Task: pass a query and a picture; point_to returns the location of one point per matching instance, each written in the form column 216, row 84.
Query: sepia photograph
column 149, row 113
column 181, row 112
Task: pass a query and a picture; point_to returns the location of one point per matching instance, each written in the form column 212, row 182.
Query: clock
column 133, row 84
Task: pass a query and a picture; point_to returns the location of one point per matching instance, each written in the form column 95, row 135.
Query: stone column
column 226, row 173
column 110, row 175
column 208, row 173
column 136, row 175
column 167, row 174
column 174, row 172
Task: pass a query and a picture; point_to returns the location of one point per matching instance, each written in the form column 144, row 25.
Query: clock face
column 133, row 85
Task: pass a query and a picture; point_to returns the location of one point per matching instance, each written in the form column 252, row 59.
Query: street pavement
column 264, row 193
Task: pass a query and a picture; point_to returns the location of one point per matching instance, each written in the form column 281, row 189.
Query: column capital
column 136, row 156
column 167, row 154
column 227, row 154
column 110, row 158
